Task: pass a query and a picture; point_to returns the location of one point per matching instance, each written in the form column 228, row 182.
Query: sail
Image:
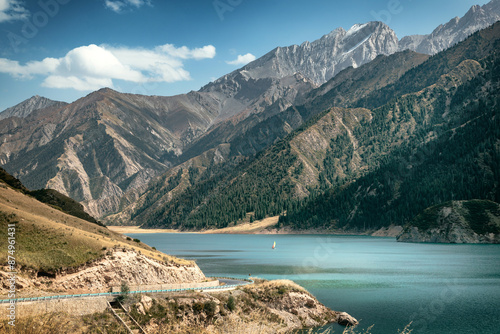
column 274, row 245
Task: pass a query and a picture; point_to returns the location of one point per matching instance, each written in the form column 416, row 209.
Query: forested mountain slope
column 429, row 137
column 237, row 142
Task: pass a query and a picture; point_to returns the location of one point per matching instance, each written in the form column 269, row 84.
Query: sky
column 65, row 49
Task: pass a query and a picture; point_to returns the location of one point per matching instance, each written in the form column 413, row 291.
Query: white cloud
column 183, row 52
column 119, row 5
column 92, row 67
column 77, row 83
column 242, row 59
column 12, row 10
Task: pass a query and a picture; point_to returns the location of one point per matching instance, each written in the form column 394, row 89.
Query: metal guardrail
column 101, row 294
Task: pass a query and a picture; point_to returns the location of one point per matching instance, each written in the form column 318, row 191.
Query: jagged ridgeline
column 360, row 158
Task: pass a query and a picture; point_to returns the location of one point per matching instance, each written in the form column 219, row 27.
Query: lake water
column 441, row 288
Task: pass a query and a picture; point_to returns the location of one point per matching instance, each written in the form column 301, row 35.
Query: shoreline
column 261, row 227
column 139, row 230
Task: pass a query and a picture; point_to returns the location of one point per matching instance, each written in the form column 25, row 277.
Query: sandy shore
column 265, row 226
column 257, row 227
column 137, row 229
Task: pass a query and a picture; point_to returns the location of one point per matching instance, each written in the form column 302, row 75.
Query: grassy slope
column 50, row 240
column 49, row 196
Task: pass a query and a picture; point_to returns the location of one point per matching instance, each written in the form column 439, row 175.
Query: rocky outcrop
column 475, row 221
column 345, row 319
column 131, row 268
column 390, row 231
column 144, row 305
column 264, row 307
column 116, row 267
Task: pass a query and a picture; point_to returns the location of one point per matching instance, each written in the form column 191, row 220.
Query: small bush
column 210, row 308
column 282, row 290
column 137, row 240
column 124, row 291
column 198, row 307
column 231, row 303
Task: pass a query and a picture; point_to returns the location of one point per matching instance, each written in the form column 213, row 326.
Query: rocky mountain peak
column 456, row 30
column 26, row 107
column 333, row 33
column 321, row 59
column 106, row 90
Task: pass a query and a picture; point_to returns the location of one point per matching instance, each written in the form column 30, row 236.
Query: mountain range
column 130, row 157
column 376, row 157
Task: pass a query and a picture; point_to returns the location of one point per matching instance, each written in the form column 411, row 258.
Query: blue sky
column 64, row 49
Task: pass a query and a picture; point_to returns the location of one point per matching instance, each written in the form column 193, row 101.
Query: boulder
column 147, row 302
column 345, row 319
column 140, row 308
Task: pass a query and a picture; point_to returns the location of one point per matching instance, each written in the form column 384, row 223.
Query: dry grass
column 254, row 322
column 49, row 323
column 48, row 239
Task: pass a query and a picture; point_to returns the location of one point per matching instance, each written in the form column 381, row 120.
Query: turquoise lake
column 441, row 288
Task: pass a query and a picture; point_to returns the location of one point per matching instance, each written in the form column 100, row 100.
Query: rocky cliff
column 474, row 221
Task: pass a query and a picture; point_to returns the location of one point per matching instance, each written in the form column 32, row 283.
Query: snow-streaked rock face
column 455, row 31
column 320, row 60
